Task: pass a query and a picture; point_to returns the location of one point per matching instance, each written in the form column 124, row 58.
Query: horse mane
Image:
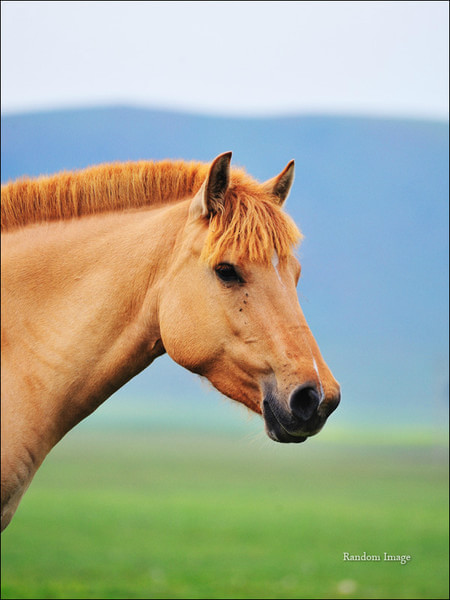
column 250, row 224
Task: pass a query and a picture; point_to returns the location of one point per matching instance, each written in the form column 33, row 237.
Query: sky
column 228, row 58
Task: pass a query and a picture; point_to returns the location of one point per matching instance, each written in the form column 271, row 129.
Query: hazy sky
column 249, row 58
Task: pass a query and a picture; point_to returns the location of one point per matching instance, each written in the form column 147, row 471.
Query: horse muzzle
column 305, row 416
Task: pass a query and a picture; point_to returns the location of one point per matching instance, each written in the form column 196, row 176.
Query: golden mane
column 251, row 223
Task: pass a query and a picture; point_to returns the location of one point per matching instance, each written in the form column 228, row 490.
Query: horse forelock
column 249, row 225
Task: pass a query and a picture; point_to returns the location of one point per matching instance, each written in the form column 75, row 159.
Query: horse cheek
column 183, row 335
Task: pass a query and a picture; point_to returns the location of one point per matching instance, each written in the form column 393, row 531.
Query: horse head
column 229, row 309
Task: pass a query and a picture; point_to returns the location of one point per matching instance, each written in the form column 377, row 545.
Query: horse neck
column 85, row 316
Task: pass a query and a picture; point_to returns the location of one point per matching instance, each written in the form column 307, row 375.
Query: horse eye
column 227, row 273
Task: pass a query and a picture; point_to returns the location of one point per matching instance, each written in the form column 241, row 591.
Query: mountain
column 371, row 197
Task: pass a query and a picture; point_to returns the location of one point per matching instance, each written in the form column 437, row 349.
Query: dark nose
column 304, row 402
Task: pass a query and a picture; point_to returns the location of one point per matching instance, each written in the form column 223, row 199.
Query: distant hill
column 371, row 196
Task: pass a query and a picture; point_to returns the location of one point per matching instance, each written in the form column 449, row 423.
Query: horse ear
column 210, row 198
column 280, row 186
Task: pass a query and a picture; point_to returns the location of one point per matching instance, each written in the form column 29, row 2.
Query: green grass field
column 150, row 515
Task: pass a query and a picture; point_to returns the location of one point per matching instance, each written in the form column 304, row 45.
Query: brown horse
column 108, row 268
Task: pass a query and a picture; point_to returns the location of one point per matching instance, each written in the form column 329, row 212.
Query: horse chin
column 276, row 431
column 282, row 436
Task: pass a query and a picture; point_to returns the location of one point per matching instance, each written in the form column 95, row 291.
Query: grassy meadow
column 139, row 514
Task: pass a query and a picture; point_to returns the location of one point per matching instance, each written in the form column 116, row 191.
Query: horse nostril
column 304, row 401
column 332, row 403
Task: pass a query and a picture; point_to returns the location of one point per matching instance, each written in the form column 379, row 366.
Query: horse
column 107, row 268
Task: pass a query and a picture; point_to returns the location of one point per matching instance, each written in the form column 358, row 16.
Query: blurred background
column 357, row 94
